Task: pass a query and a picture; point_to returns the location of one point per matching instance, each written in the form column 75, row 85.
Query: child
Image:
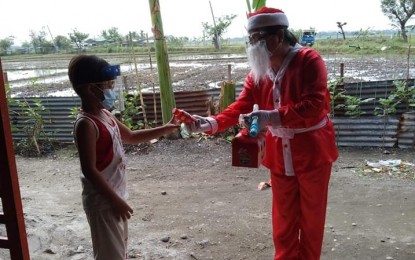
column 98, row 137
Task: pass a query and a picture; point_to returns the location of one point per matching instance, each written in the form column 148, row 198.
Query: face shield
column 113, row 72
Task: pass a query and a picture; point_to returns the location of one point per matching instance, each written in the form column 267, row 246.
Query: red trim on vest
column 104, row 146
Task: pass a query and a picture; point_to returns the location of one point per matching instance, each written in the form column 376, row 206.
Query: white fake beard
column 258, row 58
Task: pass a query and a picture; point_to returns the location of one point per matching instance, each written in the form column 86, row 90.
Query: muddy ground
column 190, row 203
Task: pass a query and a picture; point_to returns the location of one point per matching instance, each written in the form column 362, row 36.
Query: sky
column 180, row 17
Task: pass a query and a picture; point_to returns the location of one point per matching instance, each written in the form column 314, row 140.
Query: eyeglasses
column 109, row 84
column 258, row 36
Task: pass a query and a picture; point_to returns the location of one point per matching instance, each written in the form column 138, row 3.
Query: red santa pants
column 299, row 213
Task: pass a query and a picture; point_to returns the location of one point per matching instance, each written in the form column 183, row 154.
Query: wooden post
column 6, row 84
column 143, row 106
column 338, row 88
column 5, row 78
column 341, row 73
column 12, row 216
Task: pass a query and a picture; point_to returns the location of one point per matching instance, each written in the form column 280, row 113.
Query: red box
column 248, row 151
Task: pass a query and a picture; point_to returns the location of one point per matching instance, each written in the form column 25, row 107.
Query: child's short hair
column 85, row 69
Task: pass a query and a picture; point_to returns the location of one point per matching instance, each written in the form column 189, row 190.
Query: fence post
column 6, row 84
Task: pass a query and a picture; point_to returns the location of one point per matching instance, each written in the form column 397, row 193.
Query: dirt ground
column 190, row 203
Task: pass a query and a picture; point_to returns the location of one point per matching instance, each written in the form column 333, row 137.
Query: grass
column 378, row 45
column 367, row 45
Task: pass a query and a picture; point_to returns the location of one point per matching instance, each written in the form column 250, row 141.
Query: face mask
column 109, row 98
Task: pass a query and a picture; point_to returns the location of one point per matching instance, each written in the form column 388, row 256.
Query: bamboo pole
column 143, row 106
column 166, row 89
column 228, row 91
column 408, row 65
column 227, row 95
column 152, row 81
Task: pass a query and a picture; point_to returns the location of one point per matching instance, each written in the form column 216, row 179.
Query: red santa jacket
column 304, row 102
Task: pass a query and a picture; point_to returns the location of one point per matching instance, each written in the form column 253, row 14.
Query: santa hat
column 266, row 16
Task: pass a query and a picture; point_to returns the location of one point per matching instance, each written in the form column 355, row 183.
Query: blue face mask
column 109, row 98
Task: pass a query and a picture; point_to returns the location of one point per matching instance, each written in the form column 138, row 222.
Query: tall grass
column 364, row 45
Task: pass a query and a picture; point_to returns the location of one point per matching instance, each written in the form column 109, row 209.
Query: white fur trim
column 268, row 19
column 213, row 124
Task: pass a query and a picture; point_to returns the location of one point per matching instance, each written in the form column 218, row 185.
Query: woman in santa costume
column 289, row 84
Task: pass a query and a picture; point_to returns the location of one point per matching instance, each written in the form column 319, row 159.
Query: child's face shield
column 111, row 72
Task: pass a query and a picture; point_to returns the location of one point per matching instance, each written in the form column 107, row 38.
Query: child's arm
column 86, row 135
column 140, row 136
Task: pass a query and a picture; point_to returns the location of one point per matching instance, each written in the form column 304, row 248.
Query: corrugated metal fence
column 397, row 130
column 58, row 117
column 368, row 130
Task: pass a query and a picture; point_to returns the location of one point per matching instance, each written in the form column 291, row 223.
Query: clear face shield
column 114, row 72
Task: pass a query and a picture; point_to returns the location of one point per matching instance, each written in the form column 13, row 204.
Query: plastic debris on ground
column 391, row 167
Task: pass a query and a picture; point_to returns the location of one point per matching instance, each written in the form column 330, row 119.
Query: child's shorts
column 109, row 235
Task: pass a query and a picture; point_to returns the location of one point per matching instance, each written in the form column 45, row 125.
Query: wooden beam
column 9, row 185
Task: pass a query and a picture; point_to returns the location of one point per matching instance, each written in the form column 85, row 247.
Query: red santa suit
column 299, row 154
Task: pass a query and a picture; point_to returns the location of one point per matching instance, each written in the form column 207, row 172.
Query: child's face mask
column 109, row 98
column 109, row 94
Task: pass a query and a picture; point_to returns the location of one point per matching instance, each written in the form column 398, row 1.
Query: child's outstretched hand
column 174, row 121
column 264, row 185
column 173, row 124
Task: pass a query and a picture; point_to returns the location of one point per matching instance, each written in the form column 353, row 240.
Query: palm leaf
column 258, row 4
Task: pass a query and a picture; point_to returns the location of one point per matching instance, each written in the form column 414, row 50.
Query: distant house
column 95, row 42
column 135, row 43
column 100, row 41
column 91, row 42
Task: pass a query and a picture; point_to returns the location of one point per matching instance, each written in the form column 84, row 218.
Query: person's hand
column 263, row 185
column 263, row 117
column 201, row 124
column 172, row 126
column 122, row 210
column 173, row 121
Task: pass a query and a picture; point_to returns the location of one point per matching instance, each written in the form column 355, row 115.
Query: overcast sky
column 180, row 17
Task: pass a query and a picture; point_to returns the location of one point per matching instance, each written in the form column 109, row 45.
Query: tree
column 111, row 35
column 62, row 42
column 78, row 38
column 399, row 13
column 39, row 42
column 139, row 37
column 216, row 31
column 6, row 43
column 177, row 42
column 340, row 25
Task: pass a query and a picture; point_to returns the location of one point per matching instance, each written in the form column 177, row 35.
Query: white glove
column 264, row 118
column 201, row 124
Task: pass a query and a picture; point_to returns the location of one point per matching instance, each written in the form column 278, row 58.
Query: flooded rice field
column 45, row 76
